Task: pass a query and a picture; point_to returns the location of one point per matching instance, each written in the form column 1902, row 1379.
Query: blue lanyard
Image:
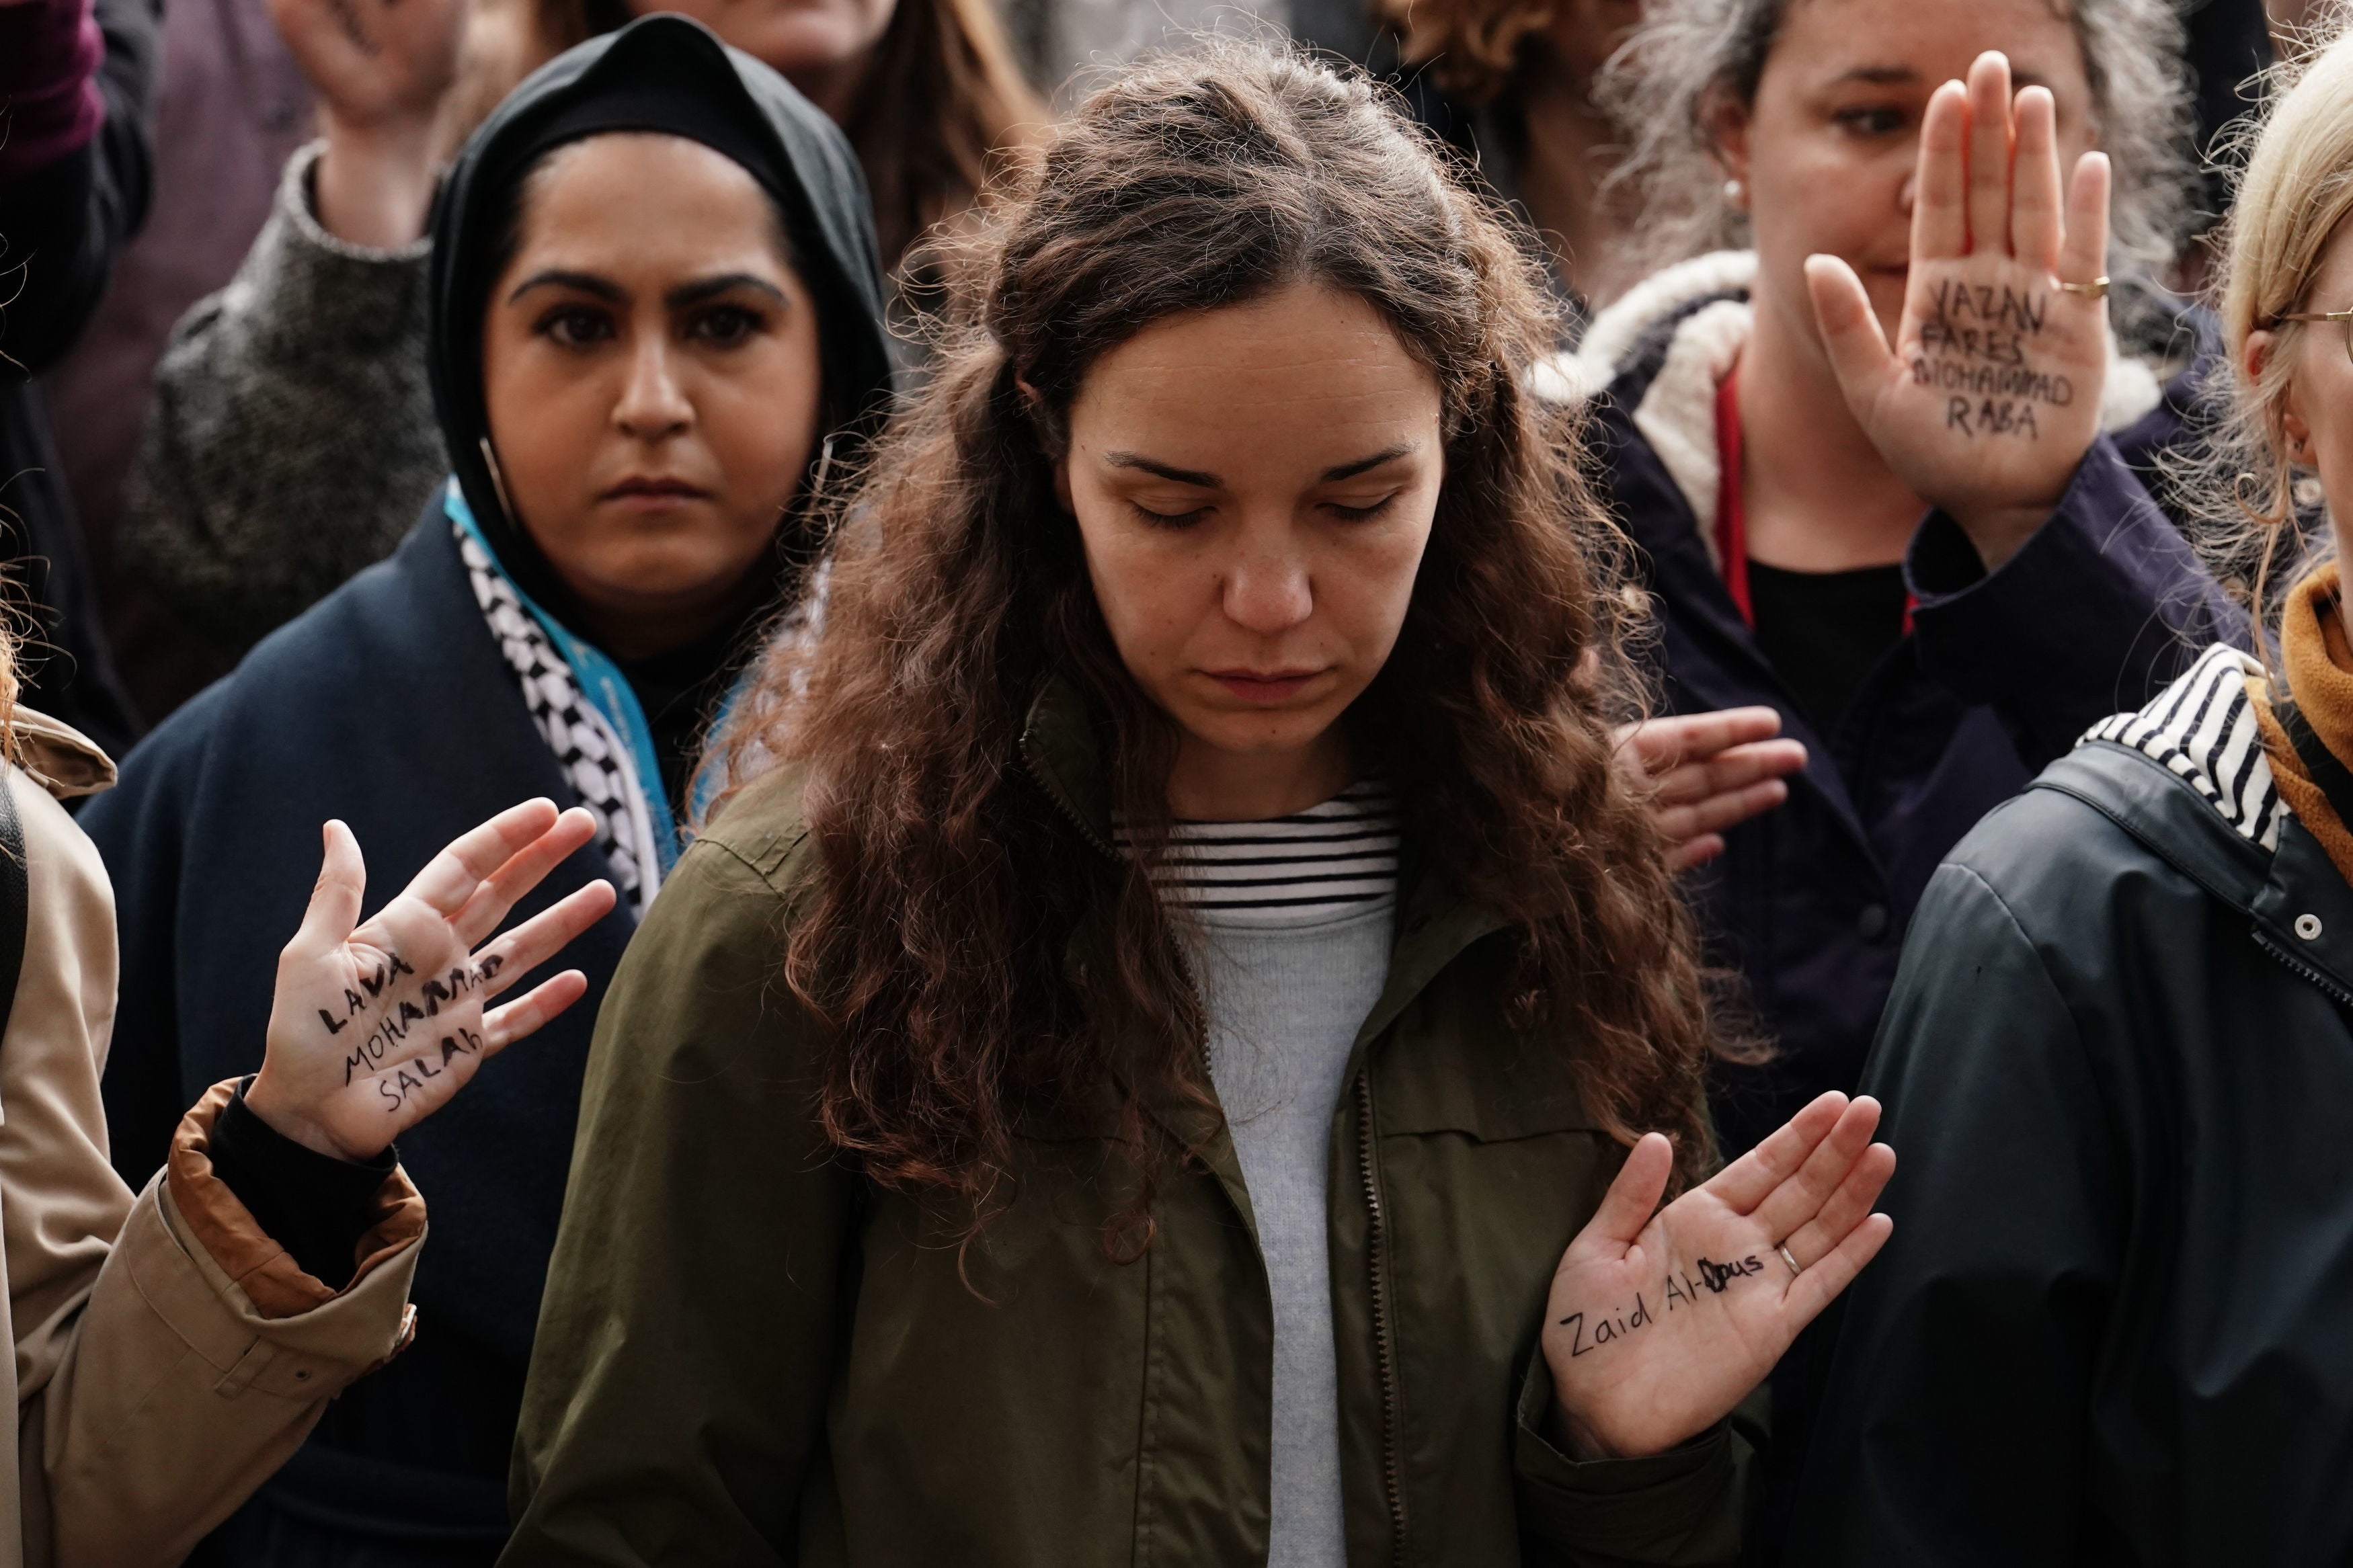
column 602, row 686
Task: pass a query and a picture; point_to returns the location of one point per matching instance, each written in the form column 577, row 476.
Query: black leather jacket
column 2111, row 1326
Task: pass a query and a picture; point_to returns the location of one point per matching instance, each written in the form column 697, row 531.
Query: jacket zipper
column 1384, row 1355
column 2302, row 970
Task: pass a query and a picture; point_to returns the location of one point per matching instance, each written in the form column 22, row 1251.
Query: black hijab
column 662, row 73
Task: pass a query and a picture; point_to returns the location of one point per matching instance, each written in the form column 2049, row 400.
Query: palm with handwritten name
column 1661, row 1320
column 375, row 1026
column 1990, row 397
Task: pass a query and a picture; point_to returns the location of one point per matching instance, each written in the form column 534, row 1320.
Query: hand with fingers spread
column 375, row 1026
column 1659, row 1322
column 1707, row 771
column 1990, row 395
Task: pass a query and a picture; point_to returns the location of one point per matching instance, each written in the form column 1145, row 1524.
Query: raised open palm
column 1990, row 395
column 1658, row 1323
column 374, row 1028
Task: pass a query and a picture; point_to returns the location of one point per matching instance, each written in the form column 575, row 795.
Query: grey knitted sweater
column 293, row 439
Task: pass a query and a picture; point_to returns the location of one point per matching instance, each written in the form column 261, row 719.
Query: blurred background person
column 1511, row 85
column 292, row 437
column 76, row 85
column 658, row 321
column 2111, row 1325
column 230, row 108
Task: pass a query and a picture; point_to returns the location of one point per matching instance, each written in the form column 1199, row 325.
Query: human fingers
column 1744, row 1183
column 1717, row 812
column 544, row 935
column 1693, row 852
column 2034, row 222
column 333, row 911
column 1848, row 1206
column 2084, row 254
column 1633, row 1197
column 1802, row 1196
column 450, row 878
column 1988, row 181
column 1818, row 1284
column 502, row 1027
column 522, row 871
column 1666, row 743
column 1851, row 332
column 1736, row 767
column 1940, row 217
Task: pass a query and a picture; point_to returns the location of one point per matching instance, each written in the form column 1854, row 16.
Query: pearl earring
column 1733, row 192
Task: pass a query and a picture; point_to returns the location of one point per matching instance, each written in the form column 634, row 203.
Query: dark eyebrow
column 1175, row 476
column 1905, row 76
column 1365, row 465
column 691, row 294
column 1877, row 75
column 585, row 282
column 1195, row 478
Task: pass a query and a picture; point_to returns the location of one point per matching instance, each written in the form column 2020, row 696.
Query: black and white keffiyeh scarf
column 596, row 761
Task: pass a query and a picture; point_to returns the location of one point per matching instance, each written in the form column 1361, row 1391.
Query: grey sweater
column 1291, row 922
column 293, row 439
column 1285, row 1004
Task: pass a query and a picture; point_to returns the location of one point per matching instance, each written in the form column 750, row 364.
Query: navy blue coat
column 2000, row 674
column 388, row 705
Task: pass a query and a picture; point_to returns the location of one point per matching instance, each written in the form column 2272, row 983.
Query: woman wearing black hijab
column 657, row 321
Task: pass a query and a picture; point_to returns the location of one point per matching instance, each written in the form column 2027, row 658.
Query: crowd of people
column 1248, row 794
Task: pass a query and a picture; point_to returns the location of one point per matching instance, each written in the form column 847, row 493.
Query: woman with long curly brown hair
column 1176, row 1042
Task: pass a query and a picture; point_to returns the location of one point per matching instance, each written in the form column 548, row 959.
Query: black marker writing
column 1974, row 350
column 1682, row 1290
column 395, row 1088
column 392, row 1028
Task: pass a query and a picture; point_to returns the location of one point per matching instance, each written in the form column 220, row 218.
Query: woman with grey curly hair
column 1885, row 468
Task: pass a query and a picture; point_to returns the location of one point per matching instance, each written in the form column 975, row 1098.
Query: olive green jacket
column 750, row 1354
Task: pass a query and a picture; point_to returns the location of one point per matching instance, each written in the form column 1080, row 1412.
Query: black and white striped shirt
column 1332, row 859
column 2203, row 727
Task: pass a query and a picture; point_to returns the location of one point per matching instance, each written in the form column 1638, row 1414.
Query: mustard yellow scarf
column 2317, row 660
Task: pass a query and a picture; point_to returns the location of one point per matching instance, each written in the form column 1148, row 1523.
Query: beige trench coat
column 168, row 1356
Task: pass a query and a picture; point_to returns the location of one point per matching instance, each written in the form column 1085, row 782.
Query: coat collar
column 58, row 757
column 2187, row 776
column 1662, row 349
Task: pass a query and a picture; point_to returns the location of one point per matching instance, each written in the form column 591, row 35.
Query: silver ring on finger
column 2097, row 289
column 1788, row 1257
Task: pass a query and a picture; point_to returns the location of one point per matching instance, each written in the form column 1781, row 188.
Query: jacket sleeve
column 293, row 437
column 677, row 1400
column 1953, row 1425
column 1682, row 1509
column 71, row 194
column 2102, row 607
column 158, row 1381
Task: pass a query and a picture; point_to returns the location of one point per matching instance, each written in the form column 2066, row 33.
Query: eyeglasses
column 2343, row 318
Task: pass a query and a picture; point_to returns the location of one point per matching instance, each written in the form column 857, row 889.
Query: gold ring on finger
column 1795, row 1266
column 2097, row 289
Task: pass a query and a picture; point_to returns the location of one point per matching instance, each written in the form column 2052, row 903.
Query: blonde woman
column 172, row 1348
column 2111, row 1324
